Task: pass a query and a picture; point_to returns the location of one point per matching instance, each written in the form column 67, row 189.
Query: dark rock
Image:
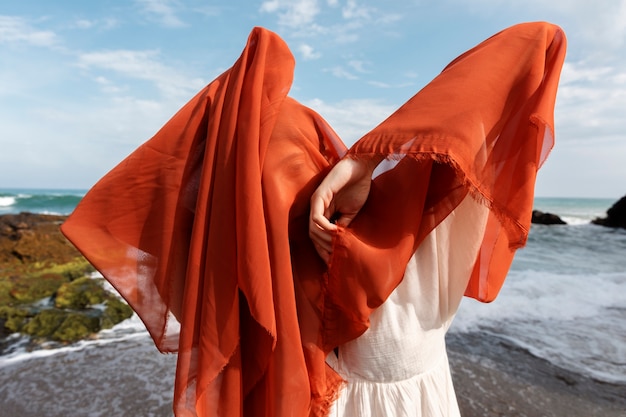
column 539, row 217
column 615, row 216
column 32, row 238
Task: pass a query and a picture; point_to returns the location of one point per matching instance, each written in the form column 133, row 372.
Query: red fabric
column 203, row 229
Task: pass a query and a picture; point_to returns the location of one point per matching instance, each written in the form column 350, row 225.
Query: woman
column 205, row 229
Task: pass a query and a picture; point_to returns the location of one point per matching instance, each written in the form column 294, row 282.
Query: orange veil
column 204, row 228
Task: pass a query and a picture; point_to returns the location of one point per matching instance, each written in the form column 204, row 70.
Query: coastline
column 492, row 378
column 125, row 378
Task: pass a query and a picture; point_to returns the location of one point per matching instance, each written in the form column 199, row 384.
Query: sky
column 84, row 83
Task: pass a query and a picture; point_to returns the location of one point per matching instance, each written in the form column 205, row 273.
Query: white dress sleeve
column 399, row 366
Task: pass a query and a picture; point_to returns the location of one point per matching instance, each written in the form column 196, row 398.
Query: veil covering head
column 204, row 228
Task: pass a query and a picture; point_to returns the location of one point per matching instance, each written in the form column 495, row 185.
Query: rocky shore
column 45, row 282
column 46, row 291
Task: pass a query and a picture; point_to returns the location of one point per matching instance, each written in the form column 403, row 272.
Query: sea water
column 43, row 201
column 564, row 298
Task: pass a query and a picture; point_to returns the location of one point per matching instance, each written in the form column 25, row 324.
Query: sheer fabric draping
column 203, row 229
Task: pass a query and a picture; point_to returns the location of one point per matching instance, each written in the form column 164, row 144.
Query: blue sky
column 83, row 83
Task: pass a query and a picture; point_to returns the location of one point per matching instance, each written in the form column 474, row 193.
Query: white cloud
column 141, row 65
column 109, row 87
column 292, row 14
column 594, row 22
column 270, row 6
column 18, row 30
column 381, row 84
column 340, row 25
column 84, row 23
column 576, row 72
column 353, row 11
column 105, row 24
column 358, row 66
column 341, row 72
column 308, row 53
column 89, row 138
column 163, row 11
column 353, row 118
column 389, row 18
column 591, row 100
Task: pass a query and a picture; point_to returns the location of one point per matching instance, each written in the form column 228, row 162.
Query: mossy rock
column 80, row 293
column 36, row 281
column 72, row 270
column 61, row 325
column 70, row 315
column 37, row 262
column 5, row 292
column 115, row 312
column 34, row 288
column 45, row 323
column 76, row 326
column 13, row 318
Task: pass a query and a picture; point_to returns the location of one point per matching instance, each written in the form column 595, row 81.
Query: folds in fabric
column 484, row 126
column 203, row 229
column 195, row 236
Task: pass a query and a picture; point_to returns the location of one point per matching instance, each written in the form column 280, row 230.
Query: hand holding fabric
column 338, row 200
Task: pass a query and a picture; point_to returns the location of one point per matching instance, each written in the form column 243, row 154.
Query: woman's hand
column 338, row 199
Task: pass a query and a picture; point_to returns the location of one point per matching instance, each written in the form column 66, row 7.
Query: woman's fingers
column 322, row 241
column 321, row 229
column 321, row 237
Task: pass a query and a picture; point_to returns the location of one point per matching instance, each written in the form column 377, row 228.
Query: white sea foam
column 576, row 220
column 564, row 318
column 128, row 329
column 7, row 201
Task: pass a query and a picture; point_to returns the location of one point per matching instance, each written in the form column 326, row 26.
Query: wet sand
column 492, row 377
column 130, row 378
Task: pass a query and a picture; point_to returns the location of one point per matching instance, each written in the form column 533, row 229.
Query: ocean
column 48, row 201
column 564, row 299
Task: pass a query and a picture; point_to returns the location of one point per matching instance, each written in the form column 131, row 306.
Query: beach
column 493, row 377
column 131, row 378
column 553, row 343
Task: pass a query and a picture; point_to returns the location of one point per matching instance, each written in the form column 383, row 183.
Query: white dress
column 399, row 366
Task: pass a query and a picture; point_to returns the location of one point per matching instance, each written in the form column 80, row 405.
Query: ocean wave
column 577, row 221
column 39, row 201
column 563, row 318
column 7, row 201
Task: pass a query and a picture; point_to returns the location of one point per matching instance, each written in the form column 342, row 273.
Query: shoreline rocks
column 615, row 216
column 46, row 288
column 539, row 217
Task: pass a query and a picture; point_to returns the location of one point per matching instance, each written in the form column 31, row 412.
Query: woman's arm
column 338, row 200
